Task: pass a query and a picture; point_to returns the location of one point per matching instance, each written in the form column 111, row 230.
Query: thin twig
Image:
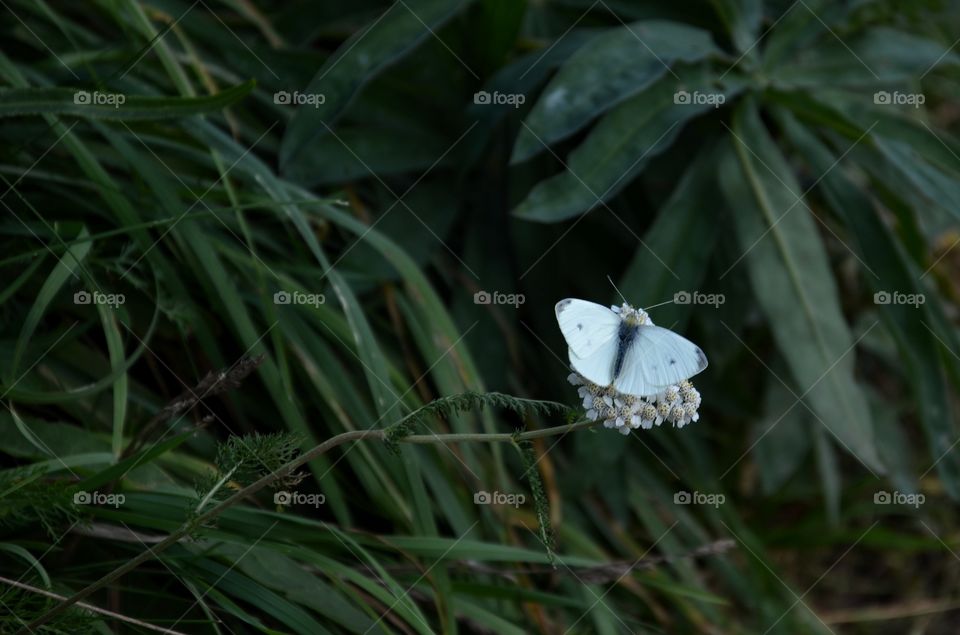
column 90, row 607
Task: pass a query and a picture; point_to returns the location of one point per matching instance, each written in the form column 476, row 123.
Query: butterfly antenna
column 656, row 305
column 617, row 290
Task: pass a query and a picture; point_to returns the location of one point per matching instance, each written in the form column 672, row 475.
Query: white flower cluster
column 676, row 404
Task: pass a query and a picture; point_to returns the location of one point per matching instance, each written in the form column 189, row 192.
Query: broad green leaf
column 782, row 437
column 936, row 186
column 905, row 125
column 830, row 476
column 394, row 33
column 95, row 104
column 616, row 150
column 358, row 150
column 877, row 57
column 611, row 67
column 798, row 27
column 791, row 277
column 913, row 327
column 522, row 77
column 677, row 248
column 742, row 21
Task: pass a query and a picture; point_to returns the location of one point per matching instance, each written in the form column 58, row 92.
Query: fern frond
column 541, row 504
column 26, row 498
column 241, row 460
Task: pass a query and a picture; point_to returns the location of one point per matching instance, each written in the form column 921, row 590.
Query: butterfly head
column 632, row 316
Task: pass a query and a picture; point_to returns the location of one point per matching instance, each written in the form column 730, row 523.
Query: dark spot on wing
column 672, row 362
column 580, row 326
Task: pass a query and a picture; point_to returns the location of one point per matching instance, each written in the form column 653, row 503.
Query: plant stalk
column 282, row 472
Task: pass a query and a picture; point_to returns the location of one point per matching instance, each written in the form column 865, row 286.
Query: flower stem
column 282, row 472
column 498, row 437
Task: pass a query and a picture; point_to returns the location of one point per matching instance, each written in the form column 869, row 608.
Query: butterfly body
column 622, row 348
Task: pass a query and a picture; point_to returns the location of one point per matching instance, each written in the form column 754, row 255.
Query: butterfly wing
column 586, row 326
column 657, row 358
column 598, row 366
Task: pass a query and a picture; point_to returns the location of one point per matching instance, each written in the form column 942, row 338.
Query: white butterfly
column 620, row 346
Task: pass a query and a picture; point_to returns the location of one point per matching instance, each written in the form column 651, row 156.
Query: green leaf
column 876, row 57
column 66, row 266
column 616, row 150
column 782, row 437
column 741, row 19
column 389, row 37
column 791, row 278
column 798, row 27
column 677, row 248
column 94, row 104
column 608, row 69
column 294, row 582
column 830, row 477
column 933, row 184
column 380, row 148
column 913, row 328
column 119, row 470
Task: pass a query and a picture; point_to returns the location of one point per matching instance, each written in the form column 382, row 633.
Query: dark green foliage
column 19, row 606
column 27, row 498
column 388, row 258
